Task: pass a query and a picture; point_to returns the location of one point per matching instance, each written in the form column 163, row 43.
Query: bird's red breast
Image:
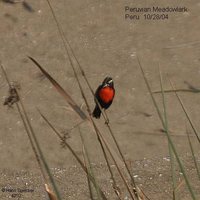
column 106, row 94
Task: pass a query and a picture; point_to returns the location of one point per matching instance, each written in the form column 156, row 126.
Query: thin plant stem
column 186, row 113
column 89, row 168
column 40, row 152
column 88, row 179
column 26, row 128
column 72, row 151
column 178, row 90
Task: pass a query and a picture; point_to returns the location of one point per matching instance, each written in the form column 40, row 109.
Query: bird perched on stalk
column 104, row 95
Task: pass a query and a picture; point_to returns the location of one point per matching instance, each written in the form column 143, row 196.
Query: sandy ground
column 105, row 44
column 151, row 175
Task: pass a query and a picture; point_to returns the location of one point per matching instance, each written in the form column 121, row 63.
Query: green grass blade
column 167, row 130
column 185, row 111
column 89, row 168
column 168, row 136
column 193, row 155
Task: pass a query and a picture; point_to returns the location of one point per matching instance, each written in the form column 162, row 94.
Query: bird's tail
column 97, row 112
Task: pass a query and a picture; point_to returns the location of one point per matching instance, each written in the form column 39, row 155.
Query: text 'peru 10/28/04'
column 152, row 13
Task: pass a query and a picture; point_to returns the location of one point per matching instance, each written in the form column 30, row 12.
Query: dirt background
column 105, row 44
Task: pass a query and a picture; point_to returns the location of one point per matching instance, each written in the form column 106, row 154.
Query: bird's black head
column 108, row 81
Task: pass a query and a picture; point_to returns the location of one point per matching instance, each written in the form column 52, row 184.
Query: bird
column 104, row 95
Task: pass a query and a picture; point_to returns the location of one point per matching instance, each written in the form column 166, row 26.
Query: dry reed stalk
column 50, row 193
column 82, row 114
column 85, row 78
